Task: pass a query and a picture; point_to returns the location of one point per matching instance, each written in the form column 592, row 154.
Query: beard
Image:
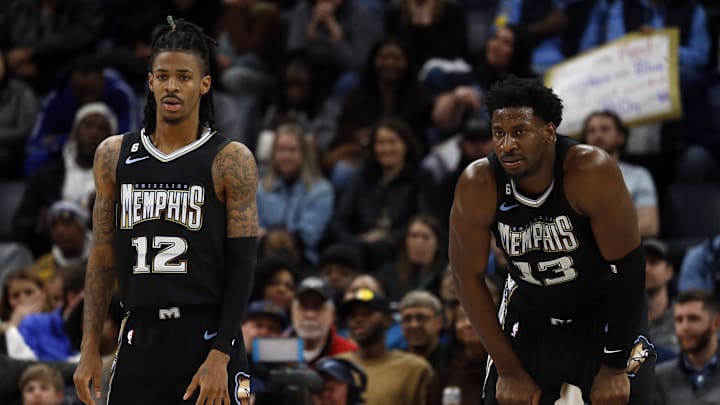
column 172, row 121
column 703, row 340
column 375, row 334
column 310, row 330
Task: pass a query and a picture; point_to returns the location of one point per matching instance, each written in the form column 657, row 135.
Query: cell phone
column 278, row 350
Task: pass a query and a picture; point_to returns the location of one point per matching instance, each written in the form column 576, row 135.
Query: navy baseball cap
column 656, row 246
column 366, row 296
column 269, row 309
column 315, row 284
column 342, row 370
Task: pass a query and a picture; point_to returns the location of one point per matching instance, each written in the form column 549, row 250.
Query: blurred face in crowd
column 389, row 149
column 312, row 316
column 602, row 132
column 90, row 131
column 87, row 87
column 297, row 84
column 280, row 289
column 68, row 235
column 39, row 392
column 21, row 292
column 287, row 155
column 390, row 63
column 463, row 329
column 658, row 271
column 338, row 275
column 500, row 47
column 334, row 392
column 420, row 326
column 421, row 243
column 695, row 326
column 367, row 325
column 260, row 326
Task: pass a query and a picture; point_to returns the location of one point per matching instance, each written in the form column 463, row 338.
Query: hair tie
column 171, row 22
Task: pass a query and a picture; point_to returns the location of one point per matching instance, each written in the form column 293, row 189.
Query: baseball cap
column 342, row 254
column 368, row 297
column 315, row 284
column 68, row 210
column 342, row 370
column 267, row 308
column 656, row 246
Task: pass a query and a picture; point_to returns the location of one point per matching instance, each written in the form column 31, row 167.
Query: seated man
column 344, row 382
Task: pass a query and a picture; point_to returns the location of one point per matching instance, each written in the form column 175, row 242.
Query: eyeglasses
column 419, row 318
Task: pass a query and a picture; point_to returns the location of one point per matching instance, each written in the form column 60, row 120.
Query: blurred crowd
column 361, row 114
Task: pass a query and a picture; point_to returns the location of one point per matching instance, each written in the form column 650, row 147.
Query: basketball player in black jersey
column 175, row 218
column 574, row 310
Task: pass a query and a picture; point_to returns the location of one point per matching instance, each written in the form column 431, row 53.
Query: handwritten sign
column 636, row 76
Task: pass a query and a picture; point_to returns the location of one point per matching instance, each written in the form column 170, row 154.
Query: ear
column 716, row 322
column 150, row 79
column 549, row 132
column 205, row 85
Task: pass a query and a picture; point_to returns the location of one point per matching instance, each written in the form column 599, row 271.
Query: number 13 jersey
column 170, row 225
column 550, row 248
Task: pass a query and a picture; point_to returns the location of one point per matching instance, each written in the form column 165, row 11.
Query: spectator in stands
column 701, row 267
column 275, row 281
column 299, row 99
column 45, row 333
column 336, row 34
column 467, row 362
column 11, row 370
column 43, row 35
column 280, row 242
column 394, row 377
column 388, row 87
column 293, row 195
column 434, row 29
column 70, row 236
column 420, row 260
column 69, row 178
column 22, row 295
column 373, row 210
column 606, row 130
column 339, row 265
column 18, row 110
column 313, row 318
column 506, row 52
column 343, row 382
column 86, row 82
column 252, row 40
column 447, row 162
column 263, row 319
column 41, row 384
column 421, row 317
column 695, row 377
column 658, row 274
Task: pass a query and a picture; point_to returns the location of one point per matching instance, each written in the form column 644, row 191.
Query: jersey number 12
column 164, row 261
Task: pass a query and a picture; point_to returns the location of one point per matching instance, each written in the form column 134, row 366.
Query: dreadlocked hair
column 181, row 36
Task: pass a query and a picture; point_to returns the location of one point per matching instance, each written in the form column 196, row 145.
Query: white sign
column 635, row 76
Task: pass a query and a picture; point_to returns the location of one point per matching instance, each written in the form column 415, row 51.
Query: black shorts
column 160, row 351
column 556, row 351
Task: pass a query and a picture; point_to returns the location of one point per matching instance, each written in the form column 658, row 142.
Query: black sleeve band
column 240, row 257
column 625, row 308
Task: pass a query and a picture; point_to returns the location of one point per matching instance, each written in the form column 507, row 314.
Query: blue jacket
column 698, row 269
column 304, row 212
column 46, row 336
column 58, row 113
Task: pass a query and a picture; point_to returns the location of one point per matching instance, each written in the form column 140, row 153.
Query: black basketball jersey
column 550, row 248
column 170, row 225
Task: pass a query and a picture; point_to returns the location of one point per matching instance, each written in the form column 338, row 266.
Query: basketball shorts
column 568, row 351
column 160, row 351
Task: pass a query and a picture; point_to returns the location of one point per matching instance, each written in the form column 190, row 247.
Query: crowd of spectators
column 361, row 114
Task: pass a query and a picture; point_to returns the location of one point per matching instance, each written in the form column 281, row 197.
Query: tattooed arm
column 99, row 280
column 235, row 178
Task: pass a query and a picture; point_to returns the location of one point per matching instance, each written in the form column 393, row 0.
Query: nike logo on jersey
column 130, row 160
column 207, row 335
column 608, row 351
column 505, row 208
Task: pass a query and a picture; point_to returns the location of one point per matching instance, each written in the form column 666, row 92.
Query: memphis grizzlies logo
column 179, row 203
column 641, row 351
column 242, row 388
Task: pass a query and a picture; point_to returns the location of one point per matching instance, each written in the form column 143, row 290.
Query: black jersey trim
column 159, row 155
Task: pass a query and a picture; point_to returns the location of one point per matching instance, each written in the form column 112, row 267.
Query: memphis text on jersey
column 543, row 234
column 179, row 203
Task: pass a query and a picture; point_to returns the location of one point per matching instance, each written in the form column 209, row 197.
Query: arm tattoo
column 99, row 281
column 236, row 166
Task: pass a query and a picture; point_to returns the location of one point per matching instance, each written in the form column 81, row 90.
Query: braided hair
column 181, row 36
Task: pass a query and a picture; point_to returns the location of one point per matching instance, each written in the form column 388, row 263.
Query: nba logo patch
column 130, row 335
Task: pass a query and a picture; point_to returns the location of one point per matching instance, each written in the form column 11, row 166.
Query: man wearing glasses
column 421, row 320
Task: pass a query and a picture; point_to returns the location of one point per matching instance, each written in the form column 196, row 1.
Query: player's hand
column 517, row 388
column 212, row 379
column 89, row 370
column 611, row 386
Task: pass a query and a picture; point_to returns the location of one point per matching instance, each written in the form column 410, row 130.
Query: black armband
column 626, row 304
column 240, row 258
